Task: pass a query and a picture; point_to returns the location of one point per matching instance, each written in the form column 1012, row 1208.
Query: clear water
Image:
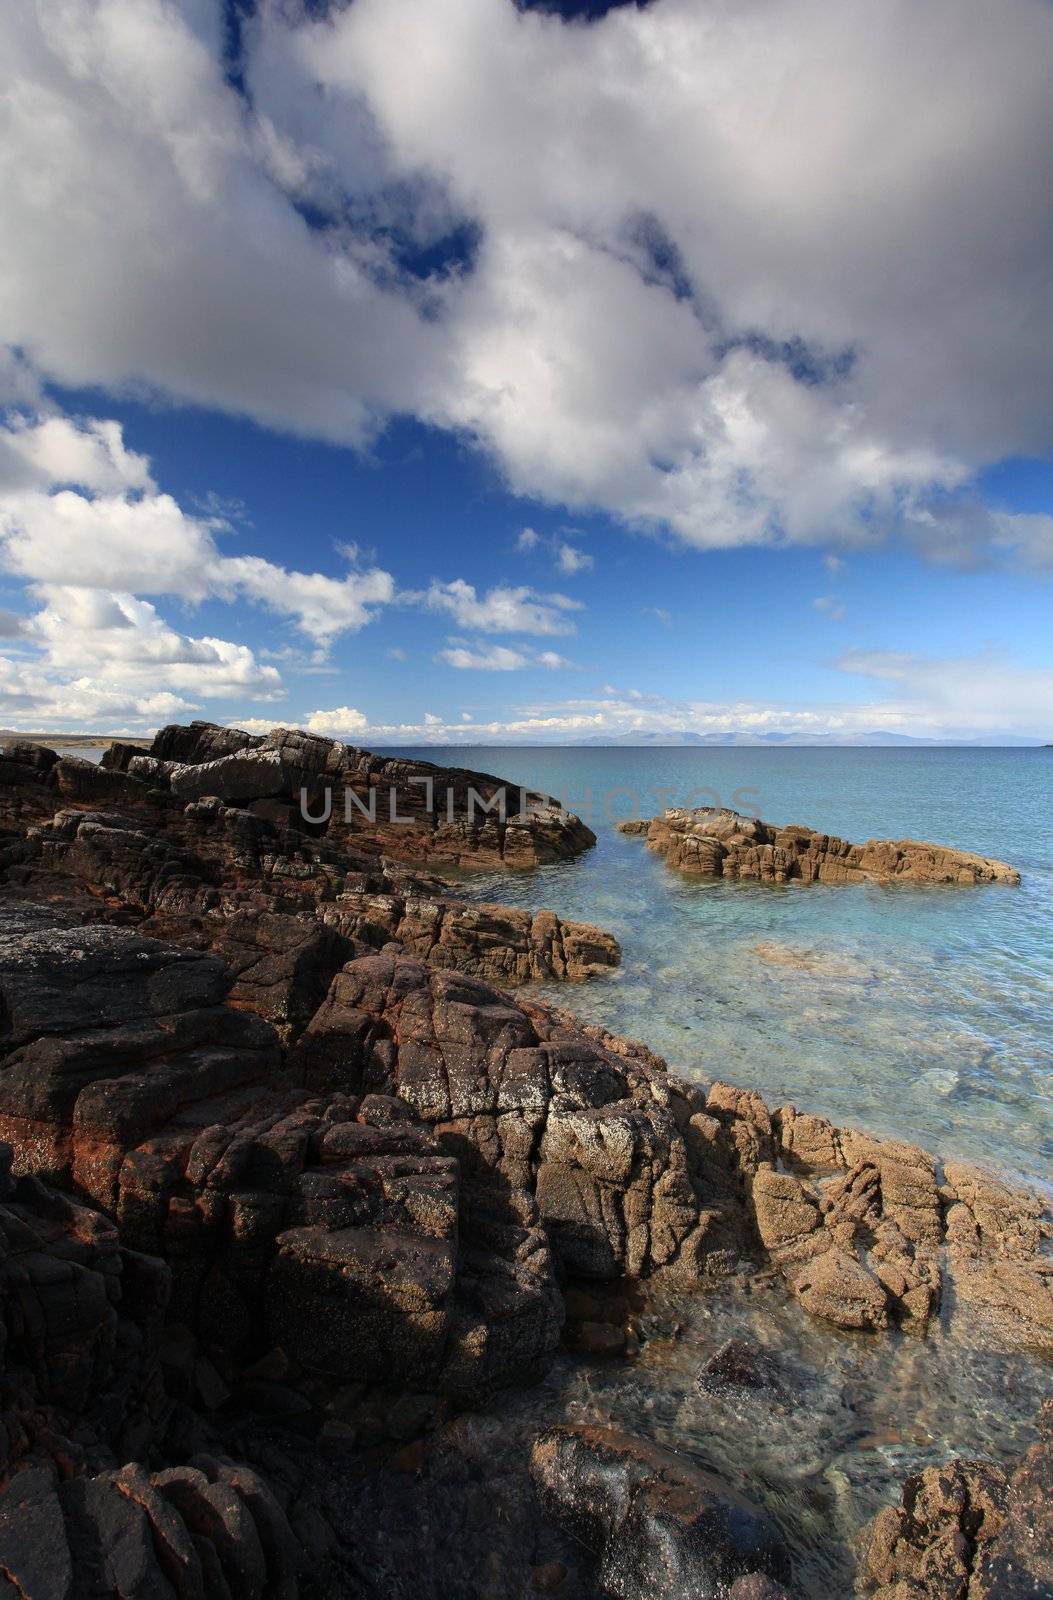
column 852, row 1415
column 925, row 1013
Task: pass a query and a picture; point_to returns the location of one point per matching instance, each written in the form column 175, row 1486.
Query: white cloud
column 48, row 451
column 503, row 609
column 87, row 556
column 660, row 614
column 830, row 606
column 395, row 653
column 778, row 277
column 987, row 692
column 528, row 539
column 499, row 658
column 337, row 724
column 322, row 607
column 570, row 560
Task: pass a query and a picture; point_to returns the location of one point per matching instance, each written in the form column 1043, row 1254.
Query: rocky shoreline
column 295, row 1187
column 718, row 843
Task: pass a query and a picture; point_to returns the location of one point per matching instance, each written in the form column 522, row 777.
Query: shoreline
column 390, row 1192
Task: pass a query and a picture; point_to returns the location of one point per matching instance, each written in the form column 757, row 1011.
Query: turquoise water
column 919, row 1012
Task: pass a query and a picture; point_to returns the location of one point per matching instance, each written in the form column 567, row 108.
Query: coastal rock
column 926, row 1548
column 662, row 1528
column 529, row 1103
column 969, row 1530
column 81, row 1318
column 723, row 844
column 997, row 1238
column 325, row 1223
column 408, row 810
column 255, row 890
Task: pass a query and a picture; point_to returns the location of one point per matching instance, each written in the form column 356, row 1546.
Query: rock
column 739, row 1365
column 930, row 1541
column 837, row 1288
column 283, row 908
column 337, row 1228
column 858, row 1244
column 724, row 844
column 997, row 1237
column 1017, row 1562
column 528, row 1103
column 410, row 810
column 969, row 1529
column 660, row 1525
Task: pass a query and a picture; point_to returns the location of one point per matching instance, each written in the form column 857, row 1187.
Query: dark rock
column 410, row 810
column 739, row 1365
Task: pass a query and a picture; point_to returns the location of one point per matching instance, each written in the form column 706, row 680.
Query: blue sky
column 349, row 397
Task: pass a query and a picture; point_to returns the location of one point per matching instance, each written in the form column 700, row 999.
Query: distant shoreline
column 75, row 741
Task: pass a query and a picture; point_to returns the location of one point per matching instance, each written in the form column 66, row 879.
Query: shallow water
column 920, row 1012
column 852, row 1415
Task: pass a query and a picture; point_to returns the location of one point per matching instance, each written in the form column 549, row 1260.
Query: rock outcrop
column 82, row 1402
column 408, row 810
column 969, row 1530
column 288, row 1180
column 723, row 844
column 335, row 1225
column 283, row 906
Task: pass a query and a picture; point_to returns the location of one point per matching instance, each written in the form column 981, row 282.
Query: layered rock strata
column 283, row 907
column 82, row 1402
column 717, row 843
column 409, row 810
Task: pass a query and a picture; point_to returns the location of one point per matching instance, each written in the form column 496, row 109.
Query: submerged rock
column 662, row 1528
column 723, row 844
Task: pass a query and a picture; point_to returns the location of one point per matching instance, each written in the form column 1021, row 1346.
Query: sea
column 916, row 1011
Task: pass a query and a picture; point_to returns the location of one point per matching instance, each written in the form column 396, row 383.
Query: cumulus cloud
column 342, row 722
column 764, row 277
column 503, row 609
column 528, row 539
column 87, row 556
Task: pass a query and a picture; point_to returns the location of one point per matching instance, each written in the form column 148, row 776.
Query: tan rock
column 724, row 844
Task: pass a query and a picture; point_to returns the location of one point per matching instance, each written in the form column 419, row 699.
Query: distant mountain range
column 743, row 737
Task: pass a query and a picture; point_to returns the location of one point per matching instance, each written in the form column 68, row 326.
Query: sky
column 464, row 371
